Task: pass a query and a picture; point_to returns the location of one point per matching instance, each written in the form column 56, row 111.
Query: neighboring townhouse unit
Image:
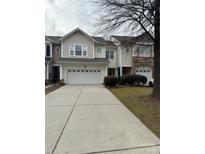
column 78, row 58
column 143, row 56
column 52, row 52
column 135, row 55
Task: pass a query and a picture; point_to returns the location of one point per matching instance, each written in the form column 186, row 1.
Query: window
column 99, row 50
column 85, row 50
column 72, row 50
column 78, row 50
column 48, row 52
column 144, row 51
column 110, row 54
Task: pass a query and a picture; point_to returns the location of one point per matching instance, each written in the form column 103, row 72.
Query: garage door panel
column 81, row 76
column 146, row 71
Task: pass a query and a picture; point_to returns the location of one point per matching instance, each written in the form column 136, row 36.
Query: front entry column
column 120, row 70
column 61, row 72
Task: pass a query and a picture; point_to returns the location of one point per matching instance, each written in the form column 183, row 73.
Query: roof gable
column 77, row 30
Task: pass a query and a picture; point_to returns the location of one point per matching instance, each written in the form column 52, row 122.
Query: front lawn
column 139, row 101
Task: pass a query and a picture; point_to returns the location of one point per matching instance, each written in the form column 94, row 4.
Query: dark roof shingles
column 54, row 38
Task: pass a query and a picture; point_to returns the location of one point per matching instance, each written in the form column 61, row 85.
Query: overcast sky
column 63, row 16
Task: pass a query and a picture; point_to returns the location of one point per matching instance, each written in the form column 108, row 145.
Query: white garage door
column 146, row 71
column 84, row 76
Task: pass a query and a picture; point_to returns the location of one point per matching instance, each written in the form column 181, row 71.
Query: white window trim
column 110, row 54
column 74, row 45
column 73, row 50
column 62, row 49
column 50, row 50
column 97, row 50
column 140, row 54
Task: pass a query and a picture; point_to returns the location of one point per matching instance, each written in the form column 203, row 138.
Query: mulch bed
column 52, row 88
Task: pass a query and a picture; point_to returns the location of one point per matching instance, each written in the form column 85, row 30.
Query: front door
column 56, row 73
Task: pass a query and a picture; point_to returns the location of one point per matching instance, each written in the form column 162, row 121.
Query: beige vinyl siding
column 112, row 62
column 102, row 54
column 77, row 39
column 126, row 56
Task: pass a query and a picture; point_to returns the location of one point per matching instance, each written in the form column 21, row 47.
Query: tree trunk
column 156, row 89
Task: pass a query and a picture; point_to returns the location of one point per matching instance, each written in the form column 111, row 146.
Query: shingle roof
column 102, row 41
column 54, row 38
column 99, row 39
column 83, row 60
column 124, row 38
column 145, row 37
column 47, row 60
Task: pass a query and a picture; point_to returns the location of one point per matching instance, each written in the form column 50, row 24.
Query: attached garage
column 83, row 71
column 146, row 71
column 84, row 76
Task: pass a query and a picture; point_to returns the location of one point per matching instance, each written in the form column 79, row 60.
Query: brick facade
column 142, row 61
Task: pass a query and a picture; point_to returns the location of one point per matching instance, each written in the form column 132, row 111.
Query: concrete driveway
column 84, row 119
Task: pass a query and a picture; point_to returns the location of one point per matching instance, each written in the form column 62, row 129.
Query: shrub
column 141, row 79
column 110, row 81
column 151, row 84
column 132, row 79
column 128, row 79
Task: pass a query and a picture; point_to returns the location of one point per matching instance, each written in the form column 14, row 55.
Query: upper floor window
column 99, row 50
column 143, row 51
column 85, row 50
column 48, row 51
column 72, row 50
column 109, row 54
column 78, row 50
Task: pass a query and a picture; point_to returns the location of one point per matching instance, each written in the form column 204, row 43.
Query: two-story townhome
column 78, row 58
column 82, row 59
column 143, row 56
column 135, row 55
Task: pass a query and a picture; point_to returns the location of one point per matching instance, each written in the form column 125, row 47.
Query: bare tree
column 137, row 15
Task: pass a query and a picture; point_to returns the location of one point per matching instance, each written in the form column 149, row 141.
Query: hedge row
column 126, row 79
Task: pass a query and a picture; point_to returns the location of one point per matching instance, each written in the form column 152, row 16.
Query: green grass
column 139, row 101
